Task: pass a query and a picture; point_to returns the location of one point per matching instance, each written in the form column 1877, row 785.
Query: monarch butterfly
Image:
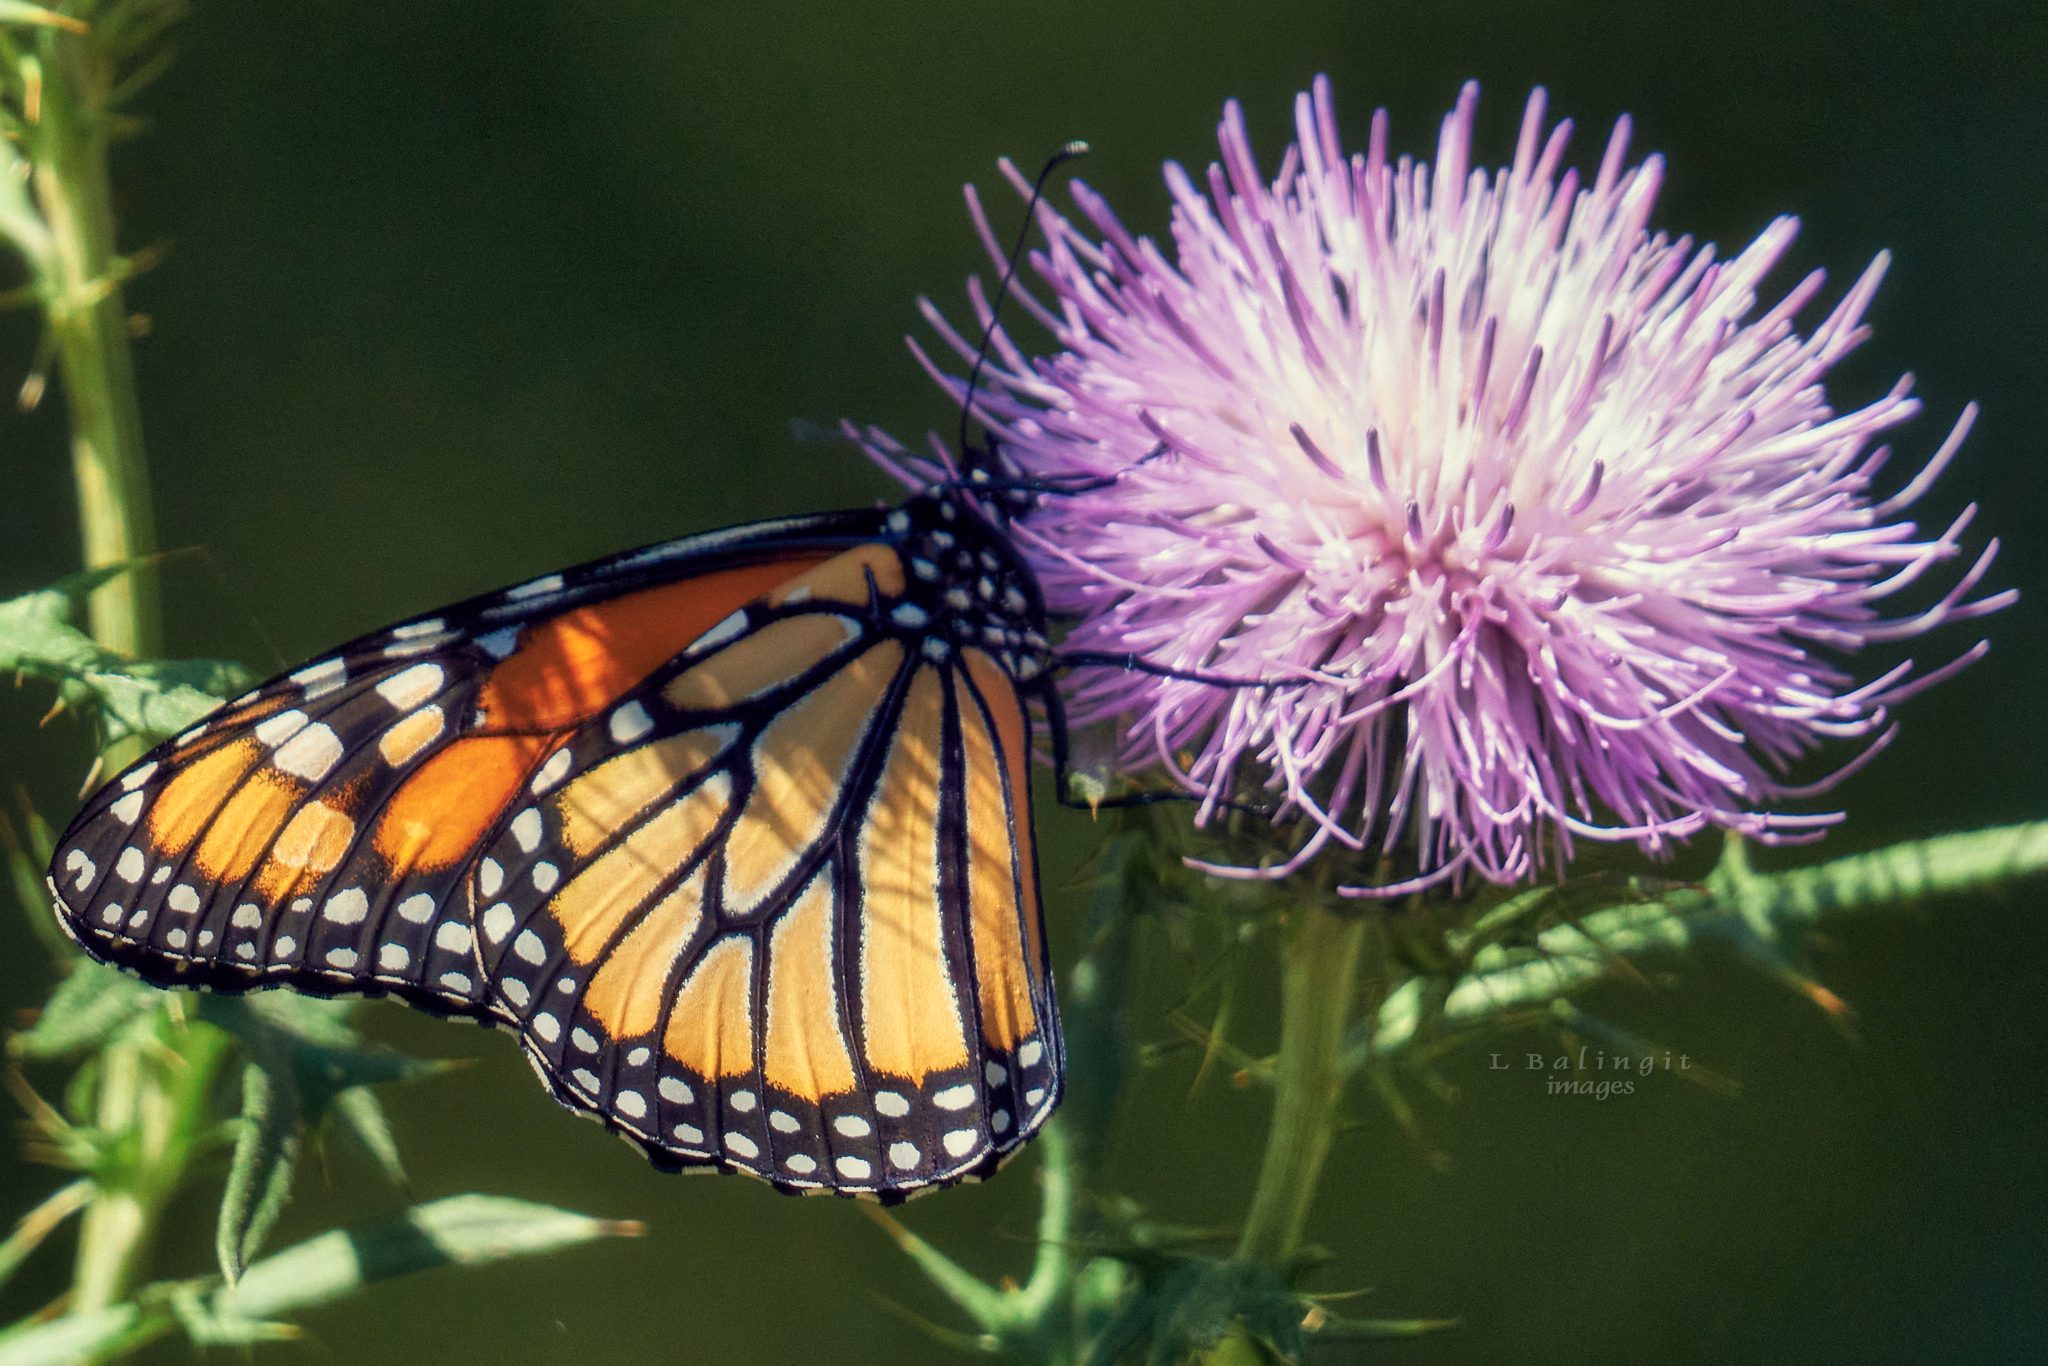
column 733, row 832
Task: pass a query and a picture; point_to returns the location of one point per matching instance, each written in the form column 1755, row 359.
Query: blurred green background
column 458, row 293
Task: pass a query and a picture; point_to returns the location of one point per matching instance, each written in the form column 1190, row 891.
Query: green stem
column 1319, row 973
column 145, row 1103
column 155, row 1094
column 88, row 321
column 1758, row 912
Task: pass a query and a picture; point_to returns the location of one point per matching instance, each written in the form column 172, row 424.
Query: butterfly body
column 733, row 832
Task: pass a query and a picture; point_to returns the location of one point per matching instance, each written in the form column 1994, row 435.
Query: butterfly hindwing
column 785, row 920
column 733, row 832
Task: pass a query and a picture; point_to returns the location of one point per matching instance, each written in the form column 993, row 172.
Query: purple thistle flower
column 1547, row 531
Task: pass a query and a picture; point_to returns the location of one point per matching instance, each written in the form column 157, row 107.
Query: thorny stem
column 1759, row 913
column 146, row 1101
column 88, row 322
column 1318, row 983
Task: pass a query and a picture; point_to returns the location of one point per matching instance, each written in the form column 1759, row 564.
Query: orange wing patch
column 449, row 801
column 911, row 1025
column 711, row 1028
column 844, row 579
column 800, row 765
column 245, row 824
column 597, row 902
column 806, row 1054
column 631, row 986
column 308, row 848
column 601, row 802
column 776, row 653
column 190, row 798
column 1000, row 694
column 995, row 924
column 568, row 669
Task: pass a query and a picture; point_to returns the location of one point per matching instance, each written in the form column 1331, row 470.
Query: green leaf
column 362, row 1114
column 463, row 1230
column 267, row 1146
column 146, row 698
column 74, row 1340
column 27, row 851
column 89, row 1005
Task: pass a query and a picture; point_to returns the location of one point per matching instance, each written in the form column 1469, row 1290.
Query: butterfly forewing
column 735, row 833
column 314, row 833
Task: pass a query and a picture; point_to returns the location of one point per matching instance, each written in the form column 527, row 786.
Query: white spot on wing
column 275, row 730
column 311, row 754
column 904, row 1156
column 553, row 771
column 417, row 908
column 498, row 922
column 892, row 1104
column 526, row 829
column 129, row 866
column 854, row 1168
column 853, row 1126
column 320, row 679
column 955, row 1097
column 452, row 937
column 77, row 863
column 138, row 776
column 183, row 899
column 721, row 633
column 347, row 907
column 960, row 1142
column 128, row 808
column 547, row 584
column 499, row 644
column 408, row 688
column 629, row 723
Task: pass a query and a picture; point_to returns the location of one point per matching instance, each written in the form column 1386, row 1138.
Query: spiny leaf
column 362, row 1114
column 267, row 1147
column 463, row 1230
column 149, row 698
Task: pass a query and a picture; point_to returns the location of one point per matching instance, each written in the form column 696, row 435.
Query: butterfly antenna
column 1070, row 152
